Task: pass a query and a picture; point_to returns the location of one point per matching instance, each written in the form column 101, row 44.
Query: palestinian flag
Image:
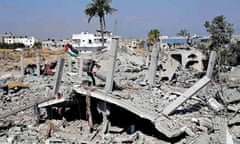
column 70, row 50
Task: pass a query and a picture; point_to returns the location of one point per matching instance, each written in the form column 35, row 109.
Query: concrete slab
column 186, row 95
column 159, row 121
column 57, row 102
column 102, row 95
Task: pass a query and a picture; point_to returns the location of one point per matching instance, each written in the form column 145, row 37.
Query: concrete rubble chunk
column 234, row 120
column 6, row 76
column 201, row 139
column 215, row 105
column 206, row 123
column 231, row 95
column 220, row 130
column 168, row 128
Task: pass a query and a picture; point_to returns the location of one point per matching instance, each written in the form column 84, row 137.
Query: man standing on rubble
column 90, row 73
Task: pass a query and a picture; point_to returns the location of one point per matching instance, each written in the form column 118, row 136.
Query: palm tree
column 183, row 32
column 99, row 8
column 153, row 36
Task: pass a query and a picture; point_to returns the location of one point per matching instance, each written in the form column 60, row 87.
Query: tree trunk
column 102, row 31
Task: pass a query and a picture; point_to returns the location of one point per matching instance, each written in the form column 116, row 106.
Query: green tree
column 221, row 32
column 153, row 36
column 233, row 56
column 37, row 45
column 99, row 8
column 183, row 32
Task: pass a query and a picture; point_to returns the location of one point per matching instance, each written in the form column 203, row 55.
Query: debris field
column 185, row 105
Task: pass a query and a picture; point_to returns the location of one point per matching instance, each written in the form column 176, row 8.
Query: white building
column 91, row 42
column 128, row 43
column 11, row 38
column 55, row 44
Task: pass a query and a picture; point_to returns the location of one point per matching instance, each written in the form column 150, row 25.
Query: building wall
column 1, row 39
column 89, row 40
column 55, row 44
column 11, row 38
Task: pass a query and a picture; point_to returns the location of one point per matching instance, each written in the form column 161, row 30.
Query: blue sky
column 59, row 19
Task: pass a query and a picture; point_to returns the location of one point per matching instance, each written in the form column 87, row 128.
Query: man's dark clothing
column 90, row 74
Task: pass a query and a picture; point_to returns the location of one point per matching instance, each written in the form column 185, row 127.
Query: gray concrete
column 220, row 130
column 102, row 95
column 80, row 72
column 153, row 65
column 58, row 76
column 169, row 67
column 57, row 102
column 38, row 64
column 69, row 63
column 22, row 108
column 5, row 77
column 186, row 95
column 158, row 122
column 231, row 95
column 211, row 64
column 112, row 62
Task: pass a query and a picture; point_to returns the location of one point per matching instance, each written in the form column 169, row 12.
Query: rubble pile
column 138, row 112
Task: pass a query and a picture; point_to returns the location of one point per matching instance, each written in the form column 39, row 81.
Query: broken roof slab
column 159, row 121
column 57, row 102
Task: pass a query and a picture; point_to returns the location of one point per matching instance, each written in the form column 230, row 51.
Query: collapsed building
column 130, row 103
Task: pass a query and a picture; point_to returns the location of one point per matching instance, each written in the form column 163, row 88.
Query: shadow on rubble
column 124, row 119
column 76, row 111
column 193, row 108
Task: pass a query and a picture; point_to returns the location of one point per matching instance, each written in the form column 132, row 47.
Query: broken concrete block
column 207, row 123
column 189, row 132
column 231, row 95
column 235, row 131
column 234, row 120
column 202, row 139
column 235, row 107
column 6, row 76
column 215, row 105
column 220, row 129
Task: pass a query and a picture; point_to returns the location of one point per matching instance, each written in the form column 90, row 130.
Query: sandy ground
column 10, row 59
